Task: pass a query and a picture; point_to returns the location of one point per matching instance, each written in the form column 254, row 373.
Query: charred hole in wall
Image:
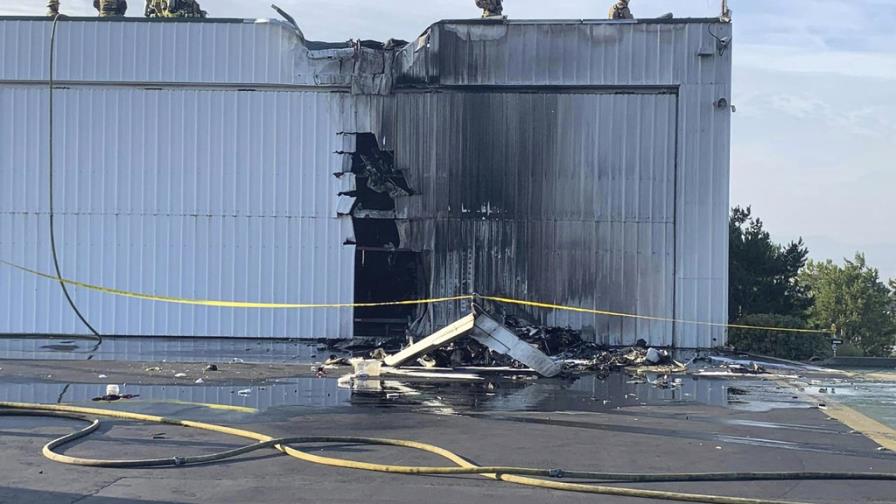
column 384, row 271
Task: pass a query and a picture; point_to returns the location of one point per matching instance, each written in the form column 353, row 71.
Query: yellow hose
column 516, row 475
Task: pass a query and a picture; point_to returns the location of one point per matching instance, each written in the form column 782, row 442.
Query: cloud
column 812, row 152
column 862, row 25
column 807, row 60
column 868, row 121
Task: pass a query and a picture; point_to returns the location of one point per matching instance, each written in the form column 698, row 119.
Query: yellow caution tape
column 645, row 317
column 230, row 304
column 467, row 297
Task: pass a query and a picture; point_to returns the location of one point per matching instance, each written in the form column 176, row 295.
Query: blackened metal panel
column 692, row 56
column 588, row 52
column 556, row 197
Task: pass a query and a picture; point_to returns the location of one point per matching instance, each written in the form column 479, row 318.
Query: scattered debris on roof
column 439, row 339
column 482, row 344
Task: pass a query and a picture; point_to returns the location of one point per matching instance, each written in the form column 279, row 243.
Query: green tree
column 893, row 301
column 853, row 299
column 763, row 275
column 893, row 297
column 783, row 344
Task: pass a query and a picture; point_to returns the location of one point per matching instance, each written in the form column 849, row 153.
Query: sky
column 814, row 135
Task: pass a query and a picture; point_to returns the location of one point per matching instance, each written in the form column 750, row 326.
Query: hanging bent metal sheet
column 495, row 336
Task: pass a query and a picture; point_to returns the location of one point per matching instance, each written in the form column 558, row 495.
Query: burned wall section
column 579, row 162
column 548, row 196
column 385, row 271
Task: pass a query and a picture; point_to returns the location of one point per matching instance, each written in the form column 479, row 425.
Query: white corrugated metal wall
column 142, row 51
column 176, row 189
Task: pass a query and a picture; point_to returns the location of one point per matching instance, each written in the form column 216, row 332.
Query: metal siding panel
column 622, row 54
column 103, row 50
column 588, row 52
column 151, row 196
column 185, row 156
column 702, row 240
column 515, row 206
column 168, row 270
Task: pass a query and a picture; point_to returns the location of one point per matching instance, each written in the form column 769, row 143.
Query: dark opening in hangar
column 384, row 271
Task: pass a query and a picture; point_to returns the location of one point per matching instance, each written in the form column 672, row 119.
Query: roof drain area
column 384, row 271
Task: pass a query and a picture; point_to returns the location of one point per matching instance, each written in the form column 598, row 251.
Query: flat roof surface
column 591, row 424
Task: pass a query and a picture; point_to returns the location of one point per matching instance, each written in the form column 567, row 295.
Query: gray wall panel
column 563, row 198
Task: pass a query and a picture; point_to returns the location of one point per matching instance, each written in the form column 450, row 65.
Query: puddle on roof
column 580, row 394
column 303, row 392
column 874, row 398
column 153, row 349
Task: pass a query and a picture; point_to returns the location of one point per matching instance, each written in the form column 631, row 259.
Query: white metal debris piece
column 495, row 336
column 442, row 337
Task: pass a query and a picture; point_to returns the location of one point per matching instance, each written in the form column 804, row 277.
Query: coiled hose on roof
column 518, row 475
